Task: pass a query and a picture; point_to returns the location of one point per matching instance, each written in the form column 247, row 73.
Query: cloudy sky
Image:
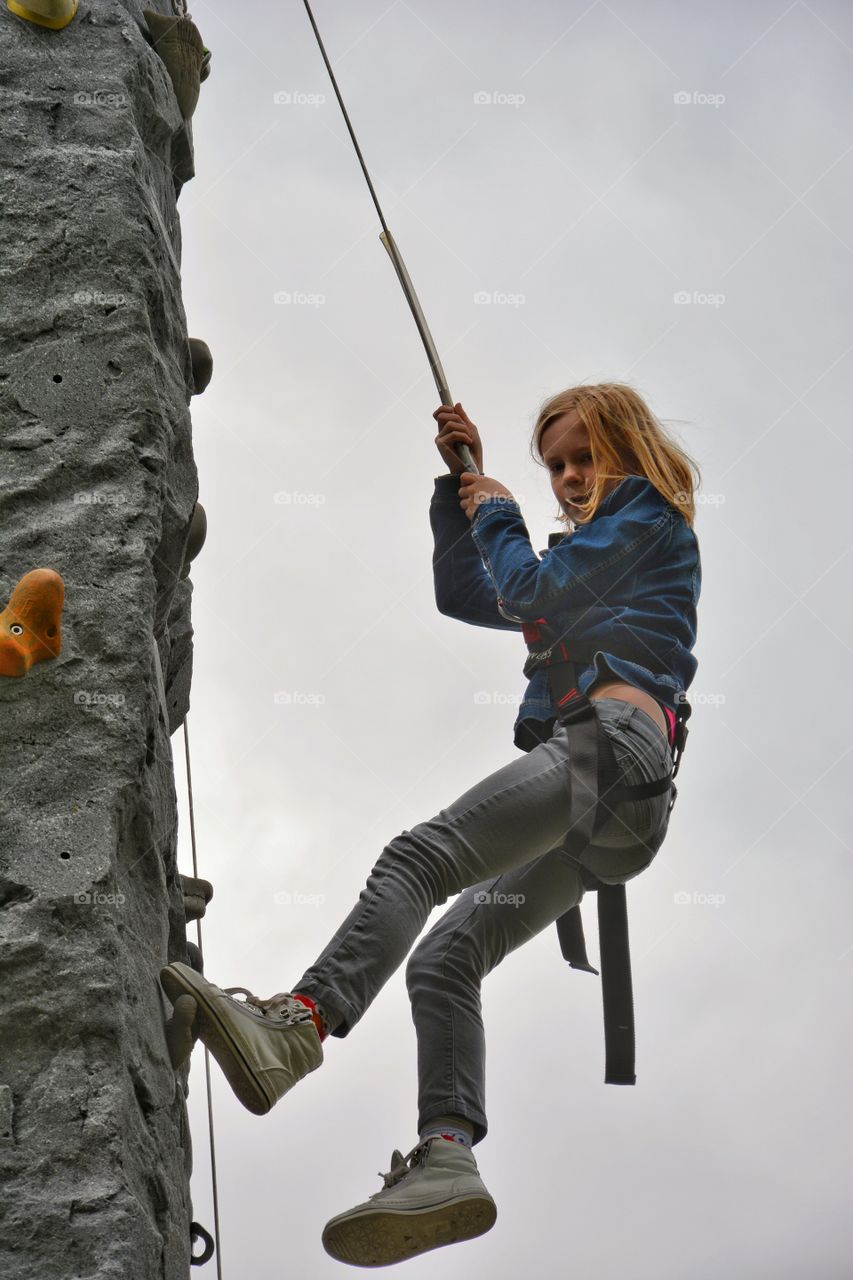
column 584, row 167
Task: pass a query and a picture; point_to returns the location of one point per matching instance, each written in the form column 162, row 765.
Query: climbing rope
column 214, row 1185
column 164, row 710
column 396, row 257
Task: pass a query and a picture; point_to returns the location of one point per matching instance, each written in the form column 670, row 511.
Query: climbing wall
column 98, row 488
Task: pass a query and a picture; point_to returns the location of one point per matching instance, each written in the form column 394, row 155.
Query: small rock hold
column 202, row 364
column 195, row 540
column 7, row 1115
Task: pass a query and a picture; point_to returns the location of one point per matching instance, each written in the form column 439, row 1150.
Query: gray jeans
column 499, row 847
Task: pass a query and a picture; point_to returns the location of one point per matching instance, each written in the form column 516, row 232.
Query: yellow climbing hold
column 29, row 625
column 54, row 14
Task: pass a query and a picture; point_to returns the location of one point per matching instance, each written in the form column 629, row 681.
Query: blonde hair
column 625, row 440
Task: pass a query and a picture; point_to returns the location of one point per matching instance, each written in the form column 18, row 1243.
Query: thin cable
column 346, row 118
column 206, row 1053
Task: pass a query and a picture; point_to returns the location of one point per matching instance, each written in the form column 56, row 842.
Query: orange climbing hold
column 30, row 623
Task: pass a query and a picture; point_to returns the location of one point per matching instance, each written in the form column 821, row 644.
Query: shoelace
column 400, row 1166
column 283, row 1007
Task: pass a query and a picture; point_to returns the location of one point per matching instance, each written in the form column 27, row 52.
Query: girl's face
column 564, row 445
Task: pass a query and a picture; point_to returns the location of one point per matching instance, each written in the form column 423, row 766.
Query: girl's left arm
column 582, row 569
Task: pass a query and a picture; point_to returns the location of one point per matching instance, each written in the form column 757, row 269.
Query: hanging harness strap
column 595, row 790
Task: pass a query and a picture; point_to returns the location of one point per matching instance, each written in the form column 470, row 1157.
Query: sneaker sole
column 213, row 1032
column 382, row 1237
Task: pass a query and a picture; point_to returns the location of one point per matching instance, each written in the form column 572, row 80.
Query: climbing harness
column 595, row 790
column 399, row 266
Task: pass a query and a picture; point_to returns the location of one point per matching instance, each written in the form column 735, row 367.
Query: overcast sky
column 581, row 193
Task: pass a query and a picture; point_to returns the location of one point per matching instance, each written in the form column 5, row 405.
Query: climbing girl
column 617, row 593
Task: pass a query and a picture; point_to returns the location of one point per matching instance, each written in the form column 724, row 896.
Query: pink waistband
column 670, row 716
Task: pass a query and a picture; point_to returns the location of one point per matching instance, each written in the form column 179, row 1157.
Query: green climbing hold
column 180, row 1037
column 179, row 44
column 196, row 894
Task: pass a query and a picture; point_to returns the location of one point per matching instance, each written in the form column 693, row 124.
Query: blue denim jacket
column 622, row 589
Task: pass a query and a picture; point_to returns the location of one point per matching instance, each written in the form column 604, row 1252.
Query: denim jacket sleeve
column 463, row 588
column 633, row 522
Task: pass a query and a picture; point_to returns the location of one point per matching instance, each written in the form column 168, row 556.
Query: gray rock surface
column 98, row 482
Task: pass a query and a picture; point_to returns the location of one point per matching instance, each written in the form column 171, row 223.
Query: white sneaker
column 263, row 1046
column 432, row 1197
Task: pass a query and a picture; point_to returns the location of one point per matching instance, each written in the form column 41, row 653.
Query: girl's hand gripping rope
column 455, row 426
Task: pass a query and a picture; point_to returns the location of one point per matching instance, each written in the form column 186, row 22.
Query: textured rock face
column 98, row 483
